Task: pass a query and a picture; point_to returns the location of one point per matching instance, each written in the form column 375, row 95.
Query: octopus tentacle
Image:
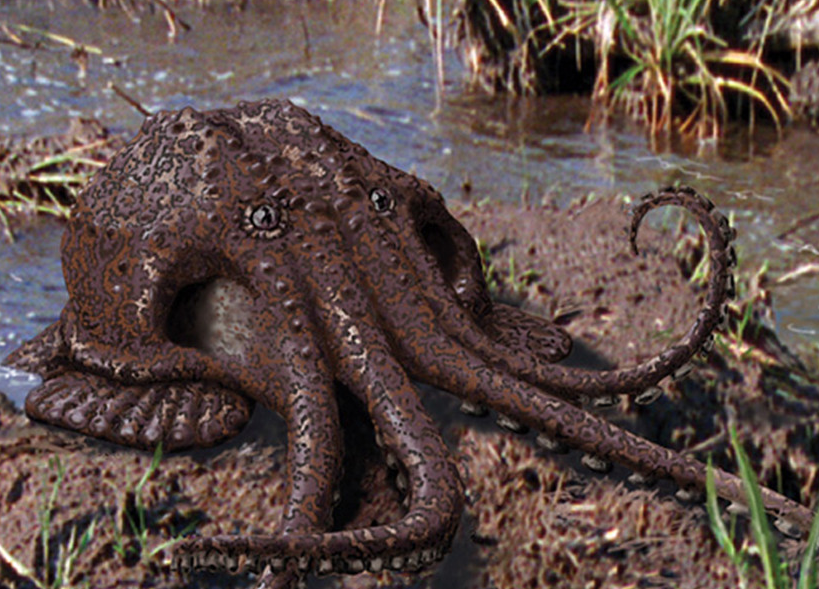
column 515, row 329
column 314, row 452
column 41, row 354
column 420, row 538
column 443, row 360
column 178, row 414
column 365, row 364
column 457, row 370
column 570, row 383
column 285, row 579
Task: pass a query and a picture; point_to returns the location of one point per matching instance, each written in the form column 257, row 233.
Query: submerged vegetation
column 684, row 66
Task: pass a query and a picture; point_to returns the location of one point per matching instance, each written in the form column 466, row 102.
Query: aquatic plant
column 527, row 46
column 675, row 79
column 44, row 176
column 659, row 60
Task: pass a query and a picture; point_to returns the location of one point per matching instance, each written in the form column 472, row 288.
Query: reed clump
column 679, row 66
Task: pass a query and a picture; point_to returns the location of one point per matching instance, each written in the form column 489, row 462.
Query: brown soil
column 538, row 520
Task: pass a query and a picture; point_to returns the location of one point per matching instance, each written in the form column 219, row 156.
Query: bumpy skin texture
column 256, row 255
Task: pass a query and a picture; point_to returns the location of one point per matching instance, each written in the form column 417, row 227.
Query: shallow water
column 379, row 91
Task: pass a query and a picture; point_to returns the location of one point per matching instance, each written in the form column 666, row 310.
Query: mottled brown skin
column 255, row 255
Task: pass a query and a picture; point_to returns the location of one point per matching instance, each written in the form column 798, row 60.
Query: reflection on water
column 32, row 293
column 378, row 91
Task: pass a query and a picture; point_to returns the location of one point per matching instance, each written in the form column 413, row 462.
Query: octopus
column 255, row 255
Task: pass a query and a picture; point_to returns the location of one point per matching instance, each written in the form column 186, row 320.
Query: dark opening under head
column 184, row 323
column 443, row 247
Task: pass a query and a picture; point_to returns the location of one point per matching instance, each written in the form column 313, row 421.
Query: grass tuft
column 774, row 569
column 662, row 61
column 61, row 571
column 138, row 521
column 61, row 575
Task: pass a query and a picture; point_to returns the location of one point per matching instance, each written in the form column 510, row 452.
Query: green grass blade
column 62, row 158
column 176, row 538
column 771, row 563
column 622, row 18
column 717, row 525
column 85, row 539
column 20, row 569
column 807, row 571
column 58, row 178
column 151, row 469
column 624, row 79
column 4, row 221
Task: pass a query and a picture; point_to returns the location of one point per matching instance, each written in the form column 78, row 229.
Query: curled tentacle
column 572, row 383
column 442, row 359
column 454, row 369
column 420, row 538
column 365, row 364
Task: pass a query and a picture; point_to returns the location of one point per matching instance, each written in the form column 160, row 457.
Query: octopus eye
column 264, row 217
column 382, row 201
column 267, row 221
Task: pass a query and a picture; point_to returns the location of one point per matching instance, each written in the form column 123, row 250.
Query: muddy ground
column 533, row 519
